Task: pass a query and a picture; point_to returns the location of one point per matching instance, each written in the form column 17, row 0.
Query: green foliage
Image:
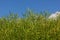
column 31, row 27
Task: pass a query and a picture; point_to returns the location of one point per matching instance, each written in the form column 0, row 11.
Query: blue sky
column 20, row 6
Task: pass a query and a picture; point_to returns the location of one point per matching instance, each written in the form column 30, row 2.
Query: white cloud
column 54, row 15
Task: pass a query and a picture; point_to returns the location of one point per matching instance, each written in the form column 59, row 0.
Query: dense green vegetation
column 31, row 27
